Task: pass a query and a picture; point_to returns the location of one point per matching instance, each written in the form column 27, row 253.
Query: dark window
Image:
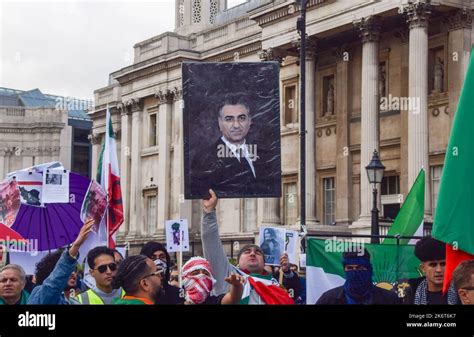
column 390, row 185
column 390, row 211
column 291, row 111
column 81, row 135
column 80, row 160
column 153, row 130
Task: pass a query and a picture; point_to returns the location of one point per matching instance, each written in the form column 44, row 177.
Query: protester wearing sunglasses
column 103, row 269
column 141, row 279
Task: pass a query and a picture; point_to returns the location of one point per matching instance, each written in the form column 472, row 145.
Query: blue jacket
column 52, row 289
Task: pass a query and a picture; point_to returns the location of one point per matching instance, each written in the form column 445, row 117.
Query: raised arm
column 212, row 245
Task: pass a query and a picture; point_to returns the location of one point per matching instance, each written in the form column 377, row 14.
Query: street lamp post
column 301, row 27
column 375, row 171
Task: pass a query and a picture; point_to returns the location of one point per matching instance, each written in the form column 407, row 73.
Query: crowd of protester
column 151, row 277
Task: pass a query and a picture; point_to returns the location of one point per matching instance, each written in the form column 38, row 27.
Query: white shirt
column 237, row 149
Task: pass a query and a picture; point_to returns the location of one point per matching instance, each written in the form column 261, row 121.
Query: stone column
column 417, row 14
column 369, row 28
column 3, row 173
column 164, row 162
column 459, row 52
column 344, row 158
column 136, row 220
column 271, row 206
column 125, row 154
column 310, row 164
column 271, row 212
column 184, row 206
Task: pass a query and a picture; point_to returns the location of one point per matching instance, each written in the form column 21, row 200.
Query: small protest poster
column 30, row 185
column 291, row 245
column 272, row 242
column 177, row 236
column 94, row 205
column 55, row 186
column 9, row 201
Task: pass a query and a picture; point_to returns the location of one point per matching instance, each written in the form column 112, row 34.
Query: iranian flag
column 454, row 223
column 324, row 271
column 409, row 220
column 108, row 175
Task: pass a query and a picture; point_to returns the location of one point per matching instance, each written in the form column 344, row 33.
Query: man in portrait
column 233, row 162
column 231, row 123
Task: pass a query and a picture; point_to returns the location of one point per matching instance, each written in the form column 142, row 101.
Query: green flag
column 392, row 265
column 410, row 217
column 454, row 221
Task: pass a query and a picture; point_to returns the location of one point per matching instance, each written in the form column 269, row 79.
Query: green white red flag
column 108, row 175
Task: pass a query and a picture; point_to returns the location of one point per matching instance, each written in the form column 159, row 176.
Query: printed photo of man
column 229, row 153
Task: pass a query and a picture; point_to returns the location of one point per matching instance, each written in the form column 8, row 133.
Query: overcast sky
column 69, row 47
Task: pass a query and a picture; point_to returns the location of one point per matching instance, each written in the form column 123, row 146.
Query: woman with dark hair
column 158, row 253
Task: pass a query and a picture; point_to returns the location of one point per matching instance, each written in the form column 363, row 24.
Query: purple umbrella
column 54, row 225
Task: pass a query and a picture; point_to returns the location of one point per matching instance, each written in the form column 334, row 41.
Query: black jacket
column 216, row 168
column 291, row 284
column 170, row 295
column 337, row 296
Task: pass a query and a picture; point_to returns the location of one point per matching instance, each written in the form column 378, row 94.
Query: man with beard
column 141, row 279
column 358, row 288
column 158, row 253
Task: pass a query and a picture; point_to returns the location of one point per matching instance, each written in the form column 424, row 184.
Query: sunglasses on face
column 103, row 268
column 159, row 272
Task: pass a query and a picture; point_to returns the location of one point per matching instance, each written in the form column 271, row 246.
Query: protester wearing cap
column 428, row 289
column 198, row 282
column 463, row 281
column 103, row 268
column 12, row 282
column 141, row 279
column 359, row 287
column 260, row 287
column 158, row 253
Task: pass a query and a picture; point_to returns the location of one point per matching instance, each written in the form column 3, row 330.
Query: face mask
column 198, row 288
column 358, row 282
column 161, row 264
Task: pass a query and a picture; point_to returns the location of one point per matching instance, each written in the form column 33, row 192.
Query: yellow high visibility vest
column 90, row 297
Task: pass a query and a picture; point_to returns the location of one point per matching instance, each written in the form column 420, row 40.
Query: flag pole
column 107, row 125
column 180, row 256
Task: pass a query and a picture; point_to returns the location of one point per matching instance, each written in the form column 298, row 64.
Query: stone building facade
column 37, row 128
column 380, row 75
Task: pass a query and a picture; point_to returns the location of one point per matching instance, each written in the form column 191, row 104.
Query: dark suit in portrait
column 217, row 168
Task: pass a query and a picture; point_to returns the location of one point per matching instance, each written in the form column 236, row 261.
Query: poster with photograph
column 9, row 201
column 30, row 185
column 272, row 242
column 55, row 186
column 177, row 236
column 231, row 130
column 291, row 245
column 94, row 205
